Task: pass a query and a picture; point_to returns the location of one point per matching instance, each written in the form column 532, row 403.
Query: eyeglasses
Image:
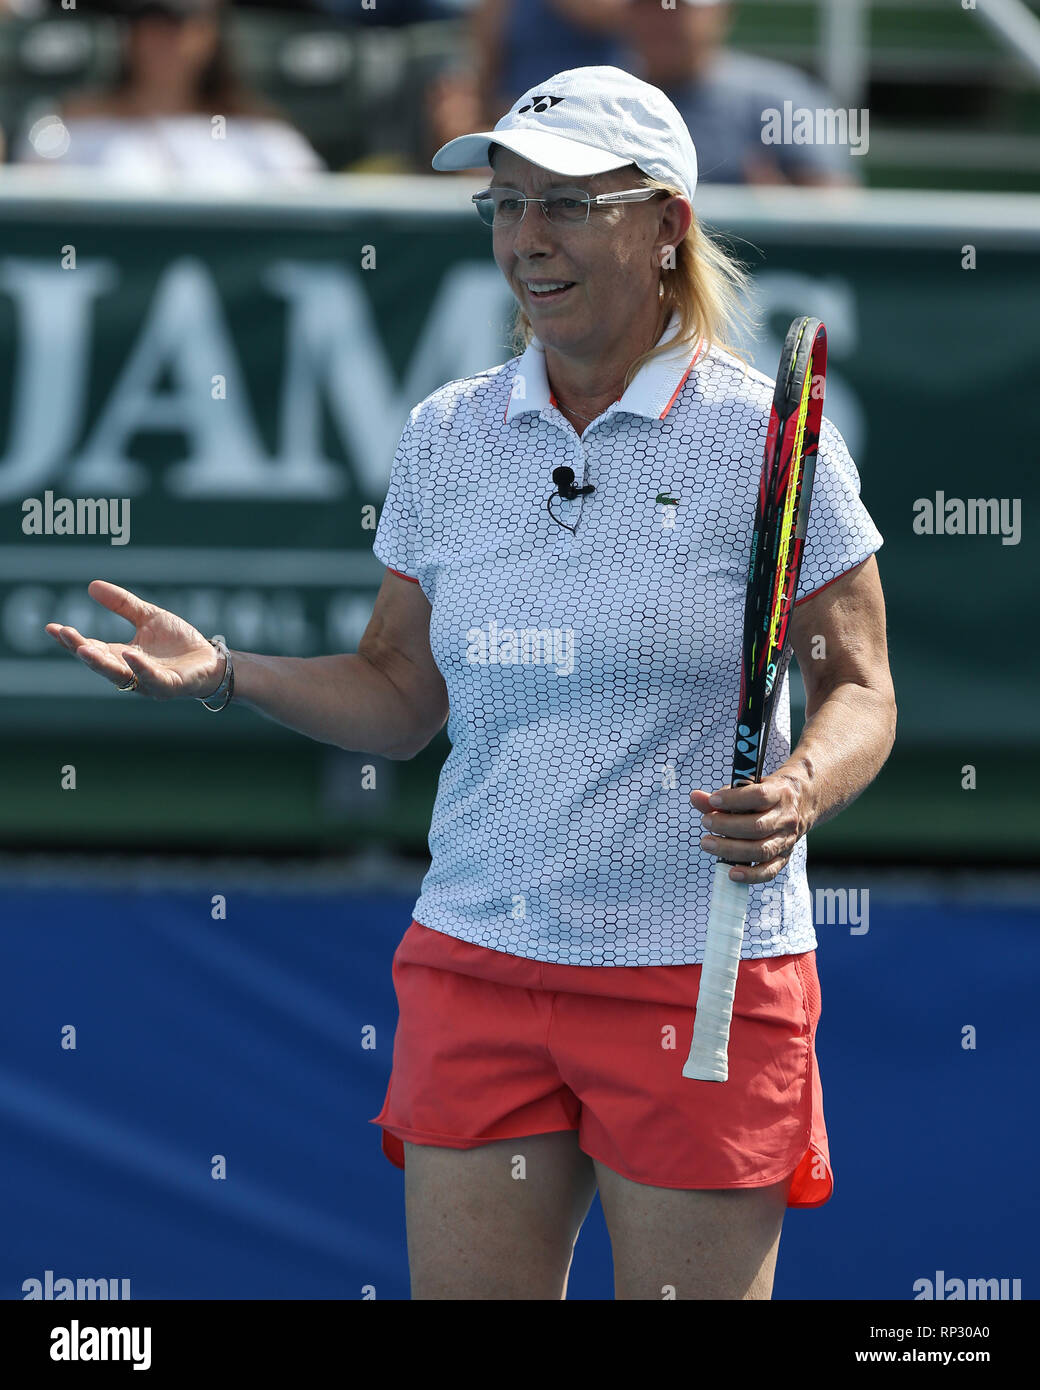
column 505, row 207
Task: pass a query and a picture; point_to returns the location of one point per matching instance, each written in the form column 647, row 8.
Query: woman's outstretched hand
column 170, row 658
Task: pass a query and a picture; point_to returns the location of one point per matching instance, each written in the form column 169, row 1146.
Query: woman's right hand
column 169, row 657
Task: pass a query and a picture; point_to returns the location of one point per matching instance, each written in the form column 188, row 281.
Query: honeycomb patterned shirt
column 593, row 667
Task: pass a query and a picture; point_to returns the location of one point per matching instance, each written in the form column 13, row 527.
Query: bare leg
column 496, row 1222
column 684, row 1244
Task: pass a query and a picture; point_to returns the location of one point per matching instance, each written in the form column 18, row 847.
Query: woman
column 176, row 107
column 584, row 639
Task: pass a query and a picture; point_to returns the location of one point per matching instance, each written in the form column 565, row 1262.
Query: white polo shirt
column 593, row 676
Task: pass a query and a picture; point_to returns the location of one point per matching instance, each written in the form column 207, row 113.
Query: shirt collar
column 651, row 393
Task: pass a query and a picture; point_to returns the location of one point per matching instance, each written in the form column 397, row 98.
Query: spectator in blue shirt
column 723, row 95
column 518, row 41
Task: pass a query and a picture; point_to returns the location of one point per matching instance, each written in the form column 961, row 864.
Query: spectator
column 518, row 41
column 722, row 95
column 158, row 120
column 451, row 107
column 513, row 44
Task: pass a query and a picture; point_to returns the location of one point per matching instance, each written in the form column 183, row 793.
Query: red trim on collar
column 409, row 577
column 686, row 373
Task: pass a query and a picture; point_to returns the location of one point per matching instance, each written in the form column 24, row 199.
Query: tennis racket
column 777, row 541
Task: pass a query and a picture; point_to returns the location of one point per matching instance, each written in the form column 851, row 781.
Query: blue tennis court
column 262, row 1040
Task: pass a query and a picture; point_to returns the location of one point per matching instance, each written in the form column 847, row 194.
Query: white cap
column 587, row 121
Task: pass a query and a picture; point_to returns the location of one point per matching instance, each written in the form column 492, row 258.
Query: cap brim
column 553, row 152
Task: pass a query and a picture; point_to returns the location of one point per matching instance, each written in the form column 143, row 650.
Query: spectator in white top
column 175, row 108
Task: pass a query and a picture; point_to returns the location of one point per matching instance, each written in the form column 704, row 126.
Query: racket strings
column 791, row 498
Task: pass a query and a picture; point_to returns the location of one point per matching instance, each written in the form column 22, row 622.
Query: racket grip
column 708, row 1059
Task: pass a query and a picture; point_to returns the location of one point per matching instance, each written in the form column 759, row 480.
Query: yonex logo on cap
column 539, row 104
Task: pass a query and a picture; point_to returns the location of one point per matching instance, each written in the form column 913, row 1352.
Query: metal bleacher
column 950, row 106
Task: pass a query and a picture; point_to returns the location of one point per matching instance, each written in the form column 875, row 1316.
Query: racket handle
column 708, row 1059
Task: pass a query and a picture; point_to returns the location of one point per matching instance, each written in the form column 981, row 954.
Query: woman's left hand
column 761, row 822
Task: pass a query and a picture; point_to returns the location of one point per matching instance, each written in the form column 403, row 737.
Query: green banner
column 201, row 402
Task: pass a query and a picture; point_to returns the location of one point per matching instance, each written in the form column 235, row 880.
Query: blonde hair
column 707, row 286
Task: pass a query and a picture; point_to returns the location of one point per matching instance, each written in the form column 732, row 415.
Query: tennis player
column 565, row 540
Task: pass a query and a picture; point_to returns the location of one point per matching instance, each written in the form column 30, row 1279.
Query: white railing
column 845, row 49
column 858, row 213
column 1016, row 24
column 844, row 37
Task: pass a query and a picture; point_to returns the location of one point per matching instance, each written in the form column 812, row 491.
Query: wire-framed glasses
column 505, row 207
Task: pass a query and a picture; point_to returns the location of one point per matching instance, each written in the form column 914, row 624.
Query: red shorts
column 493, row 1046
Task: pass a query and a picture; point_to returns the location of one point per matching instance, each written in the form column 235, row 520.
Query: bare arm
column 486, row 23
column 388, row 698
column 839, row 640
